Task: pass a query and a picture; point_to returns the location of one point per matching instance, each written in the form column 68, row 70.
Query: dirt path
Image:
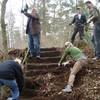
column 47, row 80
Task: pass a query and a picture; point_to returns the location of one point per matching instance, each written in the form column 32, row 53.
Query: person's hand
column 70, row 24
column 86, row 29
column 22, row 11
column 59, row 64
column 82, row 25
column 26, row 8
column 88, row 21
column 65, row 63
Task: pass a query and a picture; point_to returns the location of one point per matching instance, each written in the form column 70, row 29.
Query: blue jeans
column 13, row 86
column 34, row 44
column 96, row 39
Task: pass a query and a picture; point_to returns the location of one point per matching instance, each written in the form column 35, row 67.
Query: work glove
column 22, row 11
column 26, row 8
column 59, row 64
column 66, row 63
column 88, row 21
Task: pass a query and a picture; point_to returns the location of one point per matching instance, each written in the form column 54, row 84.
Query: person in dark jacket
column 33, row 30
column 95, row 18
column 11, row 75
column 79, row 20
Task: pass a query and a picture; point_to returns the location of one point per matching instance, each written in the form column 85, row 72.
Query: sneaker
column 9, row 99
column 68, row 89
column 96, row 58
column 38, row 56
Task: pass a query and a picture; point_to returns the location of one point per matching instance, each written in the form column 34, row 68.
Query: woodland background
column 55, row 18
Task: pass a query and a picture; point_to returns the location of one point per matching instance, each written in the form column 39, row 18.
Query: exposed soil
column 44, row 79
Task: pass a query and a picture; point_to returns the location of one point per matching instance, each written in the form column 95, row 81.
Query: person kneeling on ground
column 11, row 79
column 79, row 57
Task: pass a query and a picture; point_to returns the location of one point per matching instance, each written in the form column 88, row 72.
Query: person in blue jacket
column 11, row 75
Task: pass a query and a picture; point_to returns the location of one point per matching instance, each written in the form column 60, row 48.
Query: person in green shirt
column 80, row 58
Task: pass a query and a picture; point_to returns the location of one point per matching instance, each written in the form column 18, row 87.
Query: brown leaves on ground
column 86, row 86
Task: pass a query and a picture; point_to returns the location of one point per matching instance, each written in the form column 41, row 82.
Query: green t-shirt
column 73, row 52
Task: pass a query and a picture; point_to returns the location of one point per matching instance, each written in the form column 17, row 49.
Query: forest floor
column 46, row 79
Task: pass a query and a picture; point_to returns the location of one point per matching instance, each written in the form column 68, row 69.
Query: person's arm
column 30, row 15
column 85, row 23
column 19, row 76
column 73, row 21
column 90, row 19
column 63, row 56
column 95, row 14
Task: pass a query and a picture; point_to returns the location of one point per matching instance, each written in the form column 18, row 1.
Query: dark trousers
column 77, row 29
column 96, row 39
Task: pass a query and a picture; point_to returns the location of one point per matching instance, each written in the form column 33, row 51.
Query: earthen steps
column 48, row 63
column 44, row 71
column 49, row 53
column 49, row 49
column 41, row 66
column 44, row 60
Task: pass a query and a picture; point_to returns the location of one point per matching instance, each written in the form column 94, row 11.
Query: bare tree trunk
column 34, row 2
column 3, row 28
column 76, row 3
column 44, row 18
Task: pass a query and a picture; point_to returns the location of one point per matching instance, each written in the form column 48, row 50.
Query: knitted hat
column 68, row 44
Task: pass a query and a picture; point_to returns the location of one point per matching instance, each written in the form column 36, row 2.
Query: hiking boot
column 68, row 89
column 9, row 99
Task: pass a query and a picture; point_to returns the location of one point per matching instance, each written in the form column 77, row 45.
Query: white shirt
column 79, row 16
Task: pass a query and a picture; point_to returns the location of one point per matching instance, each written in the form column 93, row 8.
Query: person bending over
column 80, row 58
column 11, row 77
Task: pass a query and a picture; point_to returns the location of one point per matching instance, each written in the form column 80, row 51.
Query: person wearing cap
column 80, row 58
column 79, row 22
column 95, row 18
column 33, row 30
column 11, row 76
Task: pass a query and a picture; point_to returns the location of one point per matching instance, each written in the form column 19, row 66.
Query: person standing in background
column 33, row 30
column 95, row 18
column 79, row 21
